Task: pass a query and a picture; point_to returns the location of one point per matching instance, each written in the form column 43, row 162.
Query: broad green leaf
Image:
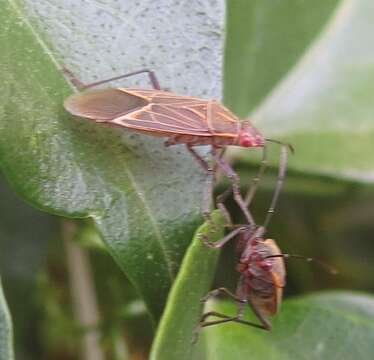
column 6, row 331
column 323, row 103
column 144, row 198
column 181, row 315
column 264, row 40
column 331, row 325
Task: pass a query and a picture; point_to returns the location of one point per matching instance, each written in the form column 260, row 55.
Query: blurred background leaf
column 6, row 330
column 265, row 39
column 321, row 326
column 24, row 239
column 316, row 94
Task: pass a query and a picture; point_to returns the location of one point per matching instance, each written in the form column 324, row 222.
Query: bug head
column 249, row 136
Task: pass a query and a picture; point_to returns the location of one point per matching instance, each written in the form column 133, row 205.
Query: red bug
column 262, row 278
column 261, row 267
column 261, row 282
column 182, row 119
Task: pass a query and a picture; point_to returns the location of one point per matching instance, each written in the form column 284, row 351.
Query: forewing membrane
column 103, row 105
column 154, row 111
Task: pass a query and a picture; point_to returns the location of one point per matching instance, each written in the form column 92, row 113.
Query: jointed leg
column 265, row 323
column 220, row 201
column 234, row 178
column 225, row 318
column 209, row 182
column 250, row 194
column 231, row 235
column 203, row 323
column 220, row 290
column 221, row 198
column 280, row 180
column 79, row 85
column 255, row 181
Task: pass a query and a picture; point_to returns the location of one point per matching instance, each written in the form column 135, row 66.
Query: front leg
column 207, row 195
column 234, row 178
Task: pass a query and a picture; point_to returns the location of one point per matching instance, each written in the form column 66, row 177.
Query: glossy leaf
column 6, row 331
column 317, row 96
column 181, row 316
column 321, row 326
column 142, row 196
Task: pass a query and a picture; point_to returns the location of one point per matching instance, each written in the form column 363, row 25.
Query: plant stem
column 83, row 293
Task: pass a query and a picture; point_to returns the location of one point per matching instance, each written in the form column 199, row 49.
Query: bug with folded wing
column 182, row 119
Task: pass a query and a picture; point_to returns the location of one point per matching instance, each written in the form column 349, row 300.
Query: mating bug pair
column 193, row 121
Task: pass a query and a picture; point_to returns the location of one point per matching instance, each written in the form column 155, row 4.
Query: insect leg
column 222, row 207
column 78, row 84
column 218, row 244
column 197, row 157
column 203, row 323
column 220, row 290
column 243, row 292
column 220, row 200
column 209, row 181
column 234, row 178
column 256, row 180
column 265, row 323
column 280, row 180
column 241, row 300
column 224, row 318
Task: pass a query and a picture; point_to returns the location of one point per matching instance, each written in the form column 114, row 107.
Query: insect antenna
column 328, row 268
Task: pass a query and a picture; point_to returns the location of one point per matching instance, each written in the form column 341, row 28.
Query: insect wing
column 167, row 114
column 143, row 110
column 103, row 105
column 278, row 275
column 166, row 119
column 154, row 111
column 221, row 121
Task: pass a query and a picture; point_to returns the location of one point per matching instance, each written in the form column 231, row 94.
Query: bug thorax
column 254, row 262
column 249, row 136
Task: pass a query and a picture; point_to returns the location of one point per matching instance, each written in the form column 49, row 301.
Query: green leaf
column 6, row 331
column 181, row 315
column 142, row 196
column 319, row 97
column 331, row 325
column 264, row 40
